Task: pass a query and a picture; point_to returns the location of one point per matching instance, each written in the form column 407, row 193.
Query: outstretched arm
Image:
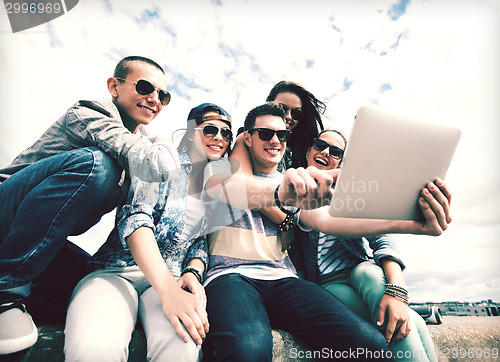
column 434, row 202
column 304, row 188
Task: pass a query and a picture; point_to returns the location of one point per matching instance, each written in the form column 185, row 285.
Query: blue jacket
column 304, row 251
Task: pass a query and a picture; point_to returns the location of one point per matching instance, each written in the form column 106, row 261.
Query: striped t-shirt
column 333, row 256
column 247, row 243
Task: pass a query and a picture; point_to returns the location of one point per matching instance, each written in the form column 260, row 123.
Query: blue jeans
column 243, row 311
column 44, row 203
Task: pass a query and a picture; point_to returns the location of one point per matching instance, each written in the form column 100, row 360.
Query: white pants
column 103, row 313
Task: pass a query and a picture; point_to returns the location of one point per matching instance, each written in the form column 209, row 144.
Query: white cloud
column 440, row 60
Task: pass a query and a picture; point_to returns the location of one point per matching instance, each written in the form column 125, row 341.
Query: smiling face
column 208, row 147
column 134, row 108
column 291, row 101
column 266, row 154
column 322, row 159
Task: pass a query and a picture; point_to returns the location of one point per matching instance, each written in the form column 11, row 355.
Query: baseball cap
column 196, row 114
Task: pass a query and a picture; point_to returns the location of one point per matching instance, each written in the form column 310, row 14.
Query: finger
column 323, row 179
column 204, row 318
column 294, row 183
column 324, row 188
column 402, row 332
column 407, row 329
column 200, row 321
column 389, row 331
column 179, row 329
column 381, row 315
column 334, row 174
column 442, row 198
column 309, row 180
column 431, row 222
column 436, row 207
column 444, row 189
column 192, row 328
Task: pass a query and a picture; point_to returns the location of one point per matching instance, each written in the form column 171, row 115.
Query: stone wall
column 457, row 339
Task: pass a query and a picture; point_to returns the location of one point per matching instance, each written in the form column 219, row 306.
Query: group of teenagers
column 216, row 241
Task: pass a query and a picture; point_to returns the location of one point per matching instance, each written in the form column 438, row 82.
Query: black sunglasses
column 211, row 131
column 144, row 88
column 265, row 134
column 334, row 151
column 296, row 113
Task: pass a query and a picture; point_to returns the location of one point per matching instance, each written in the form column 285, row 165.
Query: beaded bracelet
column 397, row 287
column 398, row 292
column 196, row 271
column 400, row 297
column 280, row 205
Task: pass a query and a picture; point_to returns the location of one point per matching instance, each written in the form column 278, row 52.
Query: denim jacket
column 161, row 207
column 304, row 251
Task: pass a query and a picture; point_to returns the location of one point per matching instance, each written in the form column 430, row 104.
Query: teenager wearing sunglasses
column 65, row 181
column 373, row 288
column 303, row 113
column 251, row 284
column 152, row 265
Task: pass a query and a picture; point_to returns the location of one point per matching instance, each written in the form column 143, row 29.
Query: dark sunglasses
column 144, row 88
column 334, row 151
column 296, row 113
column 265, row 134
column 211, row 131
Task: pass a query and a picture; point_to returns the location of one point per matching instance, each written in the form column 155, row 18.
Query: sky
column 435, row 60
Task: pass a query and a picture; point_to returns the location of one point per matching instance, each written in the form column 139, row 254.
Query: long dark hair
column 308, row 128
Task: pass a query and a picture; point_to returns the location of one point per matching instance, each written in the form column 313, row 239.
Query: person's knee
column 367, row 273
column 245, row 346
column 106, row 170
column 371, row 341
column 95, row 350
column 171, row 349
column 253, row 348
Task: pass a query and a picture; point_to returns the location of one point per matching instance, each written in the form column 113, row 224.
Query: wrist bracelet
column 396, row 288
column 196, row 271
column 280, row 205
column 286, row 224
column 392, row 293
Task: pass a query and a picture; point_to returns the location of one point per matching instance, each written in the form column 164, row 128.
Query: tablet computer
column 389, row 158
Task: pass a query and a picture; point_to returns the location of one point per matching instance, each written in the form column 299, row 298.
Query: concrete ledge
column 472, row 337
column 467, row 339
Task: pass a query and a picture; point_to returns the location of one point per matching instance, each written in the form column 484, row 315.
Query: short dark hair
column 124, row 66
column 263, row 110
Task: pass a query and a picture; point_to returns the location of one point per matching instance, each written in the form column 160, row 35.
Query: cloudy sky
column 435, row 60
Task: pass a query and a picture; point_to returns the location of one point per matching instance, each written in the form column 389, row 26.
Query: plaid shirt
column 161, row 207
column 98, row 123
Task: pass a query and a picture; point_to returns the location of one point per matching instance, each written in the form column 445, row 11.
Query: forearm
column 321, row 220
column 146, row 254
column 241, row 191
column 393, row 273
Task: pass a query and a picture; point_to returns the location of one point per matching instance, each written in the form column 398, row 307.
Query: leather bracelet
column 286, row 224
column 196, row 271
column 280, row 205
